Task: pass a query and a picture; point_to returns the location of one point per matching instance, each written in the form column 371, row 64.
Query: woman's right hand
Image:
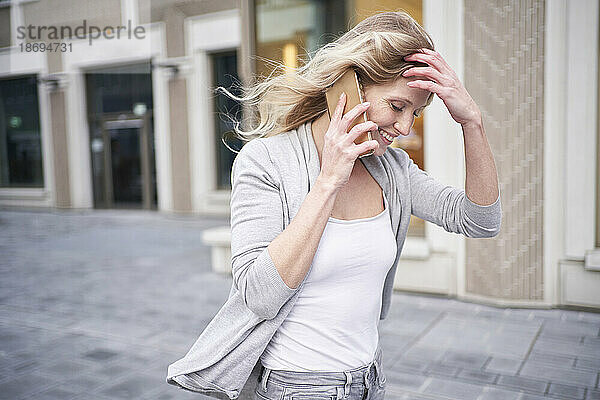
column 339, row 150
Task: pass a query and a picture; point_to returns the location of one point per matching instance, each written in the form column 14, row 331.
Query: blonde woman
column 317, row 232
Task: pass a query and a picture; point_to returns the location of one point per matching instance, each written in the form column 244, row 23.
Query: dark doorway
column 122, row 149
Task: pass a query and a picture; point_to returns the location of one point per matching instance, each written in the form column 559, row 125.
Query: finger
column 430, row 73
column 359, row 129
column 365, row 146
column 352, row 114
column 429, row 59
column 428, row 85
column 339, row 109
column 437, row 56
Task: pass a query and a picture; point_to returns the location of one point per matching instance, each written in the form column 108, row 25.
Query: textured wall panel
column 504, row 50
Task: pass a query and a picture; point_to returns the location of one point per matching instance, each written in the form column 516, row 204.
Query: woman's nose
column 403, row 127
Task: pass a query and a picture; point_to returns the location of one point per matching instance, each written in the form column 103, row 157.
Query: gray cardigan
column 270, row 179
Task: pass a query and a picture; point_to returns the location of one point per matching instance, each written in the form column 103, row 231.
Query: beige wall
column 180, row 150
column 59, row 150
column 504, row 67
column 5, row 27
column 157, row 10
column 72, row 13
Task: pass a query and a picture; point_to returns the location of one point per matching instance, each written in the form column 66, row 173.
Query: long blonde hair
column 375, row 48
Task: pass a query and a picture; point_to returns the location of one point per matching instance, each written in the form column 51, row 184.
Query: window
column 20, row 139
column 285, row 28
column 224, row 73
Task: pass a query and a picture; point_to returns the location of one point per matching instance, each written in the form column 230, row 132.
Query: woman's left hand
column 444, row 82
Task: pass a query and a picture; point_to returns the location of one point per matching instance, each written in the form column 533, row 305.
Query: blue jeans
column 362, row 383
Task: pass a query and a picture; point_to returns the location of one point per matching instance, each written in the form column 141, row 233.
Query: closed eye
column 416, row 113
column 396, row 108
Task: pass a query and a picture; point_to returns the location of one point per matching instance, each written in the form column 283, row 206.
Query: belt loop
column 367, row 375
column 380, row 381
column 348, row 384
column 264, row 378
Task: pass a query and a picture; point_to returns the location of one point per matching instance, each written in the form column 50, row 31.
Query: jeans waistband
column 347, row 378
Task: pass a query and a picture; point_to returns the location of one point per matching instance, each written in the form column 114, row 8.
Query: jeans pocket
column 273, row 392
column 259, row 396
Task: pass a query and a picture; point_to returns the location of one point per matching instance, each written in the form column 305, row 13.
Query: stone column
column 60, row 155
column 504, row 72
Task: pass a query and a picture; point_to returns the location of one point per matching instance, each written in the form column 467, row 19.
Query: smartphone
column 349, row 84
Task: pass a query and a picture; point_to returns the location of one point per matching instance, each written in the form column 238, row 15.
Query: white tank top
column 333, row 325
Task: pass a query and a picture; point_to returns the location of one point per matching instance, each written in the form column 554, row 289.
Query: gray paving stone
column 494, row 393
column 453, row 389
column 100, row 355
column 528, row 396
column 84, row 382
column 523, row 383
column 174, row 393
column 566, row 391
column 550, row 358
column 63, row 368
column 135, row 386
column 477, row 376
column 561, row 335
column 404, row 380
column 566, row 375
column 56, row 393
column 592, row 394
column 504, row 366
column 111, row 371
column 567, row 348
column 425, row 353
column 588, row 363
column 591, row 339
column 25, row 386
column 442, row 370
column 410, row 364
column 463, row 359
column 571, row 327
column 398, row 394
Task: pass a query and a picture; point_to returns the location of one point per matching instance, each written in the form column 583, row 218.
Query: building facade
column 128, row 118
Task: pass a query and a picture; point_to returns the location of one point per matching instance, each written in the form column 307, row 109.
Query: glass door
column 122, row 161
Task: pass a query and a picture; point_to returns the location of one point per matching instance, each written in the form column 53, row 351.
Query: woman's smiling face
column 394, row 107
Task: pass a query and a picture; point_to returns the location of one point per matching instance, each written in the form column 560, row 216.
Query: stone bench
column 219, row 240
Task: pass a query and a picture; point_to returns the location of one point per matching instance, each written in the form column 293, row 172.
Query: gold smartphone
column 349, row 84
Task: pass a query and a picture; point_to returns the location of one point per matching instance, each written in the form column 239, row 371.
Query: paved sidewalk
column 96, row 304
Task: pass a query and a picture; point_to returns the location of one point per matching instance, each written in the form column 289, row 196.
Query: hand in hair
column 444, row 82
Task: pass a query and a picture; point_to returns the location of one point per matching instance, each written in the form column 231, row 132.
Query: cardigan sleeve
column 450, row 208
column 256, row 219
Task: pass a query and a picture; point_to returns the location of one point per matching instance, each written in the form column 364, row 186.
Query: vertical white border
column 78, row 143
column 581, row 113
column 444, row 144
column 162, row 137
column 555, row 128
column 217, row 31
column 47, row 141
column 129, row 12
